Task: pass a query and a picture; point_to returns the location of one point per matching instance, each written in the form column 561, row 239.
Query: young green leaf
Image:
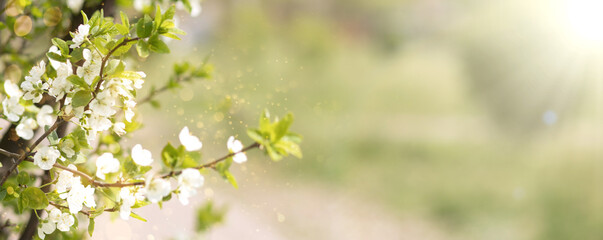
column 34, row 198
column 144, row 27
column 81, row 98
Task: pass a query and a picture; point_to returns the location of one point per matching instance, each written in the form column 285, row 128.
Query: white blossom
column 105, row 164
column 129, row 113
column 139, row 5
column 156, row 189
column 46, row 228
column 25, row 129
column 44, row 116
column 54, row 214
column 98, row 123
column 119, row 128
column 60, row 86
column 75, row 5
column 65, row 222
column 12, row 90
column 190, row 142
column 235, row 146
column 65, row 179
column 128, row 200
column 80, row 35
column 46, row 156
column 141, row 156
column 189, row 180
column 91, row 67
column 33, row 85
column 79, row 196
column 12, row 108
column 103, row 104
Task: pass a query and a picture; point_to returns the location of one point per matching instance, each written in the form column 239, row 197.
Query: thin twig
column 97, row 183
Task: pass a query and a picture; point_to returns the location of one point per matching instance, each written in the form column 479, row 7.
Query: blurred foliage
column 208, row 216
column 432, row 108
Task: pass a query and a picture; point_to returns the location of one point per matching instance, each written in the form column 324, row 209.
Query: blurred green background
column 463, row 119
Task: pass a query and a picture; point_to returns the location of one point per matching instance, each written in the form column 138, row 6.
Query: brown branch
column 106, row 58
column 96, row 183
column 22, row 157
column 87, row 213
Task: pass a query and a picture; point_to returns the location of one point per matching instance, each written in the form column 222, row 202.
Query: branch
column 87, row 213
column 96, row 183
column 23, row 156
column 106, row 58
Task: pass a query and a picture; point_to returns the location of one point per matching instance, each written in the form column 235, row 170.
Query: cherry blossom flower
column 189, row 180
column 80, row 35
column 60, row 86
column 44, row 116
column 65, row 222
column 33, row 85
column 12, row 109
column 156, row 189
column 65, row 179
column 91, row 67
column 141, row 156
column 26, row 127
column 190, row 142
column 119, row 128
column 75, row 5
column 128, row 198
column 46, row 228
column 12, row 90
column 79, row 196
column 235, row 146
column 46, row 156
column 105, row 164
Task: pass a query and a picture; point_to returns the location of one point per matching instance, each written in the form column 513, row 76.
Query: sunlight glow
column 585, row 18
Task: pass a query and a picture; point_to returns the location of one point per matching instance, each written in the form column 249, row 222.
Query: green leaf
column 142, row 48
column 134, row 215
column 289, row 147
column 207, row 217
column 123, row 30
column 155, row 104
column 188, row 159
column 231, row 179
column 79, row 138
column 272, row 153
column 23, row 178
column 85, row 17
column 62, row 45
column 53, row 137
column 2, row 194
column 170, row 155
column 156, row 45
column 56, row 57
column 144, row 27
column 78, row 81
column 256, row 135
column 131, row 75
column 77, row 55
column 170, row 35
column 81, row 98
column 124, row 19
column 91, row 226
column 158, row 16
column 169, row 13
column 34, row 198
column 123, row 48
column 282, row 126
